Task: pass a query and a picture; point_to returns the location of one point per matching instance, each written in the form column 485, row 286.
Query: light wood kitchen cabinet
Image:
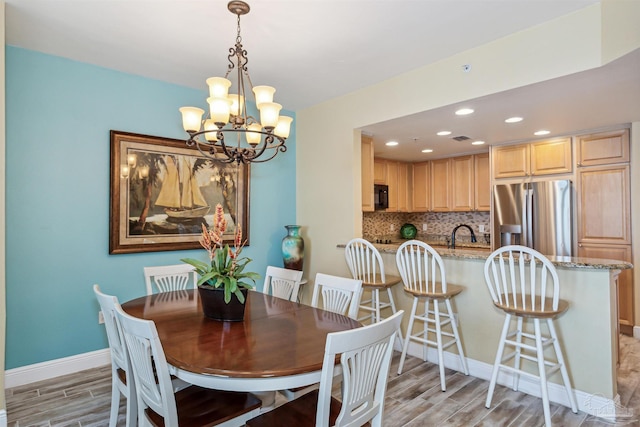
column 603, row 148
column 379, row 171
column 482, row 183
column 536, row 158
column 441, row 185
column 403, row 187
column 421, row 195
column 604, row 210
column 625, row 279
column 392, row 182
column 462, row 183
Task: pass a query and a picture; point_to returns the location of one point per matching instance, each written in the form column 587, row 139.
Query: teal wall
column 59, row 114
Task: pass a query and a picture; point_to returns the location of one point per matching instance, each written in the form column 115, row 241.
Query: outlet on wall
column 481, row 228
column 424, row 227
column 392, row 227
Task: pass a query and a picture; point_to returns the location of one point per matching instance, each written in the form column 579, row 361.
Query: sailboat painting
column 163, row 191
column 180, row 192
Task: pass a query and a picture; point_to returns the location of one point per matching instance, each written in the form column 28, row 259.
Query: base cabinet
column 625, row 279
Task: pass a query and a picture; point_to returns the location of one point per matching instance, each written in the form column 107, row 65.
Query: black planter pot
column 214, row 307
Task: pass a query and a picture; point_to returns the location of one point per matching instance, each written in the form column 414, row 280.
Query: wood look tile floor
column 413, row 399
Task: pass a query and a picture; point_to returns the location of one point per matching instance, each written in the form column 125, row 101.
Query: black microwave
column 380, row 196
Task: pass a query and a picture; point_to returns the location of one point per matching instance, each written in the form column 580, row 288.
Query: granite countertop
column 473, row 251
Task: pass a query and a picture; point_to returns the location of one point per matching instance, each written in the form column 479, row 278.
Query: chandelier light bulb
column 253, row 134
column 269, row 113
column 218, row 87
column 220, row 110
column 263, row 94
column 237, row 104
column 283, row 127
column 191, row 118
column 211, row 126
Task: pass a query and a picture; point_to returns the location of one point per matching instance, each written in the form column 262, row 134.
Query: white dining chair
column 338, row 295
column 424, row 277
column 524, row 284
column 166, row 278
column 365, row 358
column 122, row 382
column 365, row 263
column 158, row 404
column 282, row 283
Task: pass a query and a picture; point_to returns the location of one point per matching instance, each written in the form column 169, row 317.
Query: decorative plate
column 408, row 231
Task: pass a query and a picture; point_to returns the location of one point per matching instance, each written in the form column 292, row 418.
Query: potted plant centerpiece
column 223, row 283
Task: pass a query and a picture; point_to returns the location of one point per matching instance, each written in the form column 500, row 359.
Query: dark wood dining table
column 279, row 345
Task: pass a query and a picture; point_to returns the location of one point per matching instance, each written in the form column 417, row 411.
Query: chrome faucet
column 453, row 235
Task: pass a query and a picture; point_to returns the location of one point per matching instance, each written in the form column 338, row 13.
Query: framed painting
column 162, row 192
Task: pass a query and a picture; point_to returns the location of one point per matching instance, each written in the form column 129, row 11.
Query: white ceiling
column 315, row 50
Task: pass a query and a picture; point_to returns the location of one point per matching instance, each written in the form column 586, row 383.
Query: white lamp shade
column 218, row 87
column 283, row 127
column 191, row 118
column 219, row 108
column 263, row 94
column 210, row 125
column 253, row 138
column 269, row 112
column 237, row 103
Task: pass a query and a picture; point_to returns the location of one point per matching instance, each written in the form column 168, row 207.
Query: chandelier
column 228, row 113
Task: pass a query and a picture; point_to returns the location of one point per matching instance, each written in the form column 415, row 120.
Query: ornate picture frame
column 163, row 191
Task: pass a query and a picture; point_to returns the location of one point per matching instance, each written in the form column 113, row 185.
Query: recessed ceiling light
column 427, row 150
column 391, row 143
column 477, row 143
column 464, row 111
column 444, row 133
column 541, row 132
column 513, row 120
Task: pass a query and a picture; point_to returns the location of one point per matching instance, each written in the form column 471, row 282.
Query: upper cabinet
column 481, row 183
column 537, row 158
column 462, row 183
column 366, row 166
column 451, row 184
column 441, row 185
column 421, row 194
column 603, row 148
column 395, row 175
column 379, row 171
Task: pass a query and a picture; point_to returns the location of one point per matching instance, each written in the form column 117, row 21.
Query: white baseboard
column 593, row 404
column 636, row 332
column 55, row 368
column 3, row 418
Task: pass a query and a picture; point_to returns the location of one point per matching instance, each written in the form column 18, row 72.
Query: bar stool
column 365, row 263
column 524, row 284
column 423, row 275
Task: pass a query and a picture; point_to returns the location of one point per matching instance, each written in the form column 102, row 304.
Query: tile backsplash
column 387, row 224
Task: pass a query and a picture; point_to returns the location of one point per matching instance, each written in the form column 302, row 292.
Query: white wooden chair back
column 150, row 369
column 521, row 278
column 282, row 283
column 365, row 357
column 119, row 358
column 168, row 278
column 364, row 261
column 339, row 294
column 421, row 268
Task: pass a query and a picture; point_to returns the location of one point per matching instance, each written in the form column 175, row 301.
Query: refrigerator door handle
column 528, row 218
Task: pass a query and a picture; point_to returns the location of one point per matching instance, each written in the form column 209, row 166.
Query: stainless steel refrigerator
column 534, row 214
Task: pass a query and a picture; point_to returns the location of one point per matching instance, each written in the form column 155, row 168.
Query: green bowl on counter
column 408, row 231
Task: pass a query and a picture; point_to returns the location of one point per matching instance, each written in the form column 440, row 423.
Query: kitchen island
column 588, row 331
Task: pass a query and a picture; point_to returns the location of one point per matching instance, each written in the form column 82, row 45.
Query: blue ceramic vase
column 293, row 248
